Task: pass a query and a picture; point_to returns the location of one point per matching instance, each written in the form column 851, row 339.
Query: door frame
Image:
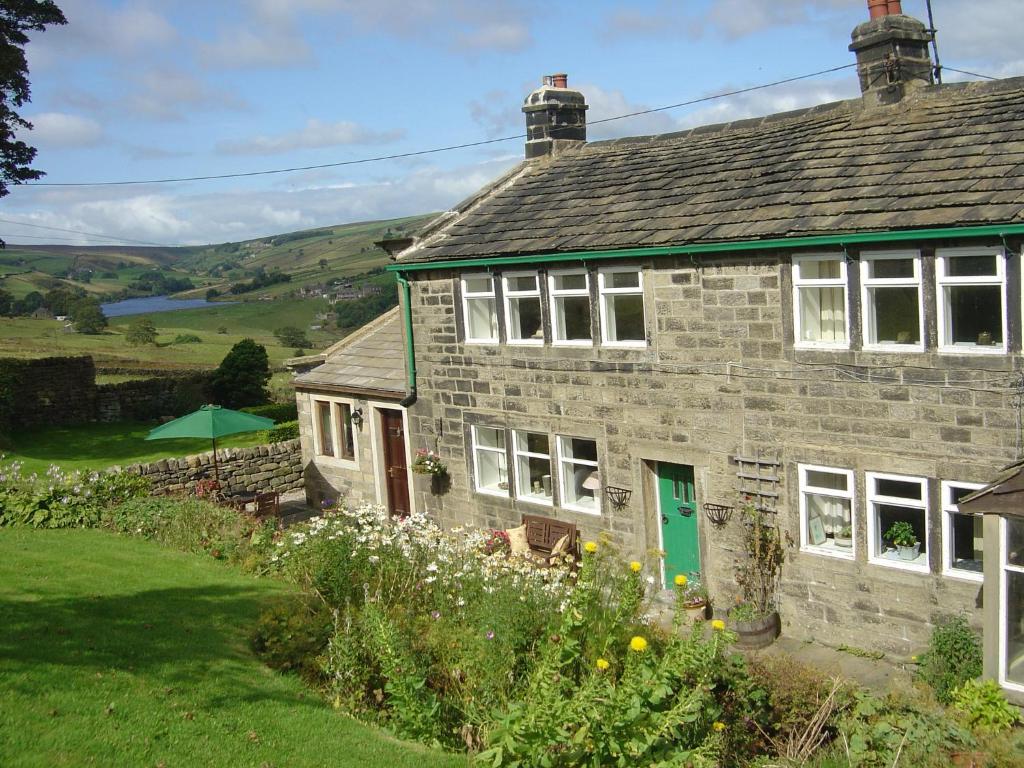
column 377, row 440
column 652, row 505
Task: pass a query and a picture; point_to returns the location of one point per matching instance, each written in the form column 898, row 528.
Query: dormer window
column 819, row 301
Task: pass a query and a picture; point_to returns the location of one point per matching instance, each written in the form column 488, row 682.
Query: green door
column 678, row 507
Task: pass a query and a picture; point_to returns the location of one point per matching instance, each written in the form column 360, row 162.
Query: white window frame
column 563, row 462
column 838, row 282
column 1003, row 611
column 554, row 294
column 848, row 494
column 508, row 295
column 519, row 451
column 873, row 498
column 503, row 457
column 942, row 281
column 335, row 404
column 605, row 292
column 948, row 510
column 467, row 296
column 867, row 309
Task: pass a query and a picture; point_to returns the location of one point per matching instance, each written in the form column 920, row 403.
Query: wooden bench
column 542, row 533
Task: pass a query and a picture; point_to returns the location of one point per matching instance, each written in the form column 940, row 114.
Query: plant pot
column 439, row 484
column 984, row 339
column 758, row 633
column 839, row 541
column 909, row 553
column 696, row 612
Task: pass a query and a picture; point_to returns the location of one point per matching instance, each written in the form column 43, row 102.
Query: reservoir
column 150, row 304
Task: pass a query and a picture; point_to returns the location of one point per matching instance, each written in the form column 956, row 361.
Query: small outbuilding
column 1001, row 506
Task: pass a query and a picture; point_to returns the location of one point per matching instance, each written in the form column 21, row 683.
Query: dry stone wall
column 273, row 467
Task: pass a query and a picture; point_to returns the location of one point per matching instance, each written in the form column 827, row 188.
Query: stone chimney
column 892, row 53
column 556, row 118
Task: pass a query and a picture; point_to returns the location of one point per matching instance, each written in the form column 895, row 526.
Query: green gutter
column 853, row 238
column 410, row 355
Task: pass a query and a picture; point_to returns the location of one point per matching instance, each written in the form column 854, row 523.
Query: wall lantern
column 357, row 418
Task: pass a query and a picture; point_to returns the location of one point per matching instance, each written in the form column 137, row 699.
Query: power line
column 81, row 232
column 435, row 150
column 972, row 74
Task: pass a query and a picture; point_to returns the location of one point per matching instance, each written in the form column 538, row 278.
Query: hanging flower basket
column 429, row 463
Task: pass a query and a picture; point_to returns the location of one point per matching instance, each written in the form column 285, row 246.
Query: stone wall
column 720, row 378
column 273, row 467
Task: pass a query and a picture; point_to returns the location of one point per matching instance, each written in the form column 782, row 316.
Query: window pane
column 1014, row 618
column 571, row 282
column 572, row 318
column 622, row 279
column 823, row 314
column 574, row 448
column 489, row 437
column 493, row 472
column 822, row 479
column 323, row 412
column 834, row 515
column 896, row 316
column 535, row 478
column 625, row 315
column 524, row 318
column 345, row 431
column 482, row 322
column 971, row 266
column 967, row 547
column 975, row 314
column 522, row 283
column 478, row 284
column 819, row 270
column 1014, row 541
column 888, row 514
column 891, row 268
column 898, row 488
column 573, row 492
column 534, row 442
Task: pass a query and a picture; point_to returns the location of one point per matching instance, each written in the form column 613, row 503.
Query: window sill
column 496, row 492
column 821, row 346
column 837, row 553
column 894, row 348
column 892, row 560
column 625, row 344
column 574, row 343
column 593, row 511
column 972, row 349
column 525, row 342
column 540, row 501
column 481, row 341
column 335, row 462
column 961, row 575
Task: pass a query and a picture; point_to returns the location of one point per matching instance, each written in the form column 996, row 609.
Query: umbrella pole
column 216, row 474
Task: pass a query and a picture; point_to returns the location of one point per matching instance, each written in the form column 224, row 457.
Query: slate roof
column 950, row 155
column 368, row 361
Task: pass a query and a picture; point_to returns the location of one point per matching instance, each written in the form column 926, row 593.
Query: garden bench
column 543, row 533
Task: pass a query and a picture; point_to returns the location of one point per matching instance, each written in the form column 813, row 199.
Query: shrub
column 291, row 633
column 985, row 707
column 279, row 412
column 289, row 430
column 953, row 657
column 186, row 338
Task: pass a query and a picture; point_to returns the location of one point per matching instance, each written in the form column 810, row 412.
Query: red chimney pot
column 878, row 8
column 895, row 9
column 561, row 80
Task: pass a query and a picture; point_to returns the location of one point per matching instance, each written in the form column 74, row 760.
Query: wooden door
column 396, row 465
column 677, row 504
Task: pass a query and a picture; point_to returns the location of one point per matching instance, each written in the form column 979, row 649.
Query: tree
column 6, row 302
column 17, row 17
column 242, row 376
column 290, row 336
column 87, row 316
column 323, row 263
column 141, row 331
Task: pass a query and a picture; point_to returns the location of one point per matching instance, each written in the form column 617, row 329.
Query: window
column 1011, row 635
column 578, row 469
column 522, row 309
column 962, row 540
column 333, row 433
column 971, row 298
column 570, row 307
column 489, row 460
column 894, row 502
column 826, row 511
column 533, row 466
column 891, row 300
column 479, row 309
column 819, row 301
column 622, row 307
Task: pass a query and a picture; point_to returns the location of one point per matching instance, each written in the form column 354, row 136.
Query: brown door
column 395, row 463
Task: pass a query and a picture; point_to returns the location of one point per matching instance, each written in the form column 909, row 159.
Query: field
column 119, row 652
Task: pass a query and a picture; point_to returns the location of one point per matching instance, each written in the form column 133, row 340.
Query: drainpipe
column 410, row 353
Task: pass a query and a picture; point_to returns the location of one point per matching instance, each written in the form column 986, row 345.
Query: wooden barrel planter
column 759, row 633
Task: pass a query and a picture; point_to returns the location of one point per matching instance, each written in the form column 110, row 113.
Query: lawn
column 118, row 652
column 96, row 446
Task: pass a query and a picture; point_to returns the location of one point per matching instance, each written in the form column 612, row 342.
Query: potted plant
column 427, row 462
column 902, row 536
column 758, row 573
column 844, row 538
column 691, row 599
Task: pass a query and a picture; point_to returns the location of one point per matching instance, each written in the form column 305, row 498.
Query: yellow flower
column 680, row 580
column 638, row 644
column 718, row 725
column 590, row 546
column 603, row 664
column 635, row 567
column 913, row 659
column 718, row 625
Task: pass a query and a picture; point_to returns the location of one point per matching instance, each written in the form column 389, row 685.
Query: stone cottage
column 818, row 310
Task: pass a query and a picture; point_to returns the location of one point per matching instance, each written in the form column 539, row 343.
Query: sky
column 136, row 90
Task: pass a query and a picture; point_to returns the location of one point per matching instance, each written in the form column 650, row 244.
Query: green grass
column 96, row 446
column 118, row 652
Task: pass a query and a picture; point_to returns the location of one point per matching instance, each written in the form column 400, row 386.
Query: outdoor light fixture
column 718, row 514
column 357, row 418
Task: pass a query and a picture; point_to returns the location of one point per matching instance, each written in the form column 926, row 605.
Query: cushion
column 561, row 546
column 517, row 540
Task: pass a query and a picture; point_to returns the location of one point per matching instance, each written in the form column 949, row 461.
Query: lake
column 150, row 304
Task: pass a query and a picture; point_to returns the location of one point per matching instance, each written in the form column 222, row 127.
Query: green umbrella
column 211, row 421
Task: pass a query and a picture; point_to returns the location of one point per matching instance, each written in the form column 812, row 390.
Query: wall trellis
column 758, row 478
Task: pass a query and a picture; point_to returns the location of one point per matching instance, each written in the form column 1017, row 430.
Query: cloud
column 166, row 94
column 62, row 130
column 280, row 47
column 496, row 36
column 316, row 134
column 498, row 113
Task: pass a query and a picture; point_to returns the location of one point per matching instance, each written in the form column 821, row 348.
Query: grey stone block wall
column 720, row 377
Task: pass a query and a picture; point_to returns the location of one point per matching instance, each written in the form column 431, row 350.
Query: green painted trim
column 853, row 238
column 410, row 354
